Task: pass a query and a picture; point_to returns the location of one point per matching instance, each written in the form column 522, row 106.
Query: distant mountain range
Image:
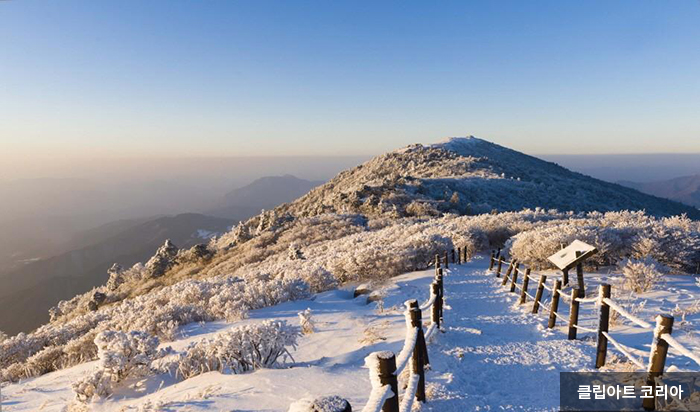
column 264, row 193
column 31, row 287
column 28, row 292
column 684, row 189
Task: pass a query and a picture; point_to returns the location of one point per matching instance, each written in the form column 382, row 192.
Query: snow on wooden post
column 386, row 368
column 526, row 283
column 417, row 358
column 493, row 257
column 514, row 278
column 435, row 313
column 573, row 314
column 500, row 265
column 603, row 323
column 555, row 304
column 657, row 355
column 508, row 271
column 421, row 334
column 538, row 295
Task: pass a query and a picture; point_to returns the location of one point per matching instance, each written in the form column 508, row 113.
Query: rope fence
column 385, row 366
column 603, row 304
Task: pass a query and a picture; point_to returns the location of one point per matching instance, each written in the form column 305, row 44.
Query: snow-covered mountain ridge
column 468, row 176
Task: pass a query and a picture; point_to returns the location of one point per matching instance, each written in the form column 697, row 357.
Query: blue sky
column 201, row 78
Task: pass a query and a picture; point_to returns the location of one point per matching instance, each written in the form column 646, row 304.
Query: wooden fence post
column 538, row 295
column 417, row 361
column 500, row 265
column 441, row 296
column 603, row 323
column 446, row 261
column 437, row 261
column 493, row 257
column 435, row 313
column 514, row 278
column 573, row 314
column 579, row 277
column 657, row 356
column 526, row 283
column 387, row 368
column 508, row 271
column 452, row 255
column 459, row 255
column 555, row 304
column 565, row 275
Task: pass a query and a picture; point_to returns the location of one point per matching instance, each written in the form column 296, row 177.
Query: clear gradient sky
column 201, row 78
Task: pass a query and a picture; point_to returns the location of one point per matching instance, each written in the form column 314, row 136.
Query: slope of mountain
column 685, row 189
column 29, row 292
column 264, row 193
column 469, row 176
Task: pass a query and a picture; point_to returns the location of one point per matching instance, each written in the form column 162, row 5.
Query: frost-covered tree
column 116, row 277
column 121, row 355
column 242, row 349
column 3, row 336
column 641, row 275
column 295, row 252
column 163, row 260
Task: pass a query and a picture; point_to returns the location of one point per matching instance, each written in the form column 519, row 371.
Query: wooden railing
column 661, row 333
column 385, row 367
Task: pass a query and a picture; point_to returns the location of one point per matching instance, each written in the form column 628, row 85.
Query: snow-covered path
column 492, row 356
column 495, row 355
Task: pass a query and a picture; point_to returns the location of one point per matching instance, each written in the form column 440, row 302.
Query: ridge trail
column 495, row 355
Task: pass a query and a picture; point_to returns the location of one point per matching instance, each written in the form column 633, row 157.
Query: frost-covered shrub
column 306, row 322
column 239, row 350
column 295, row 252
column 673, row 241
column 94, row 385
column 641, row 275
column 121, row 355
column 163, row 260
column 3, row 336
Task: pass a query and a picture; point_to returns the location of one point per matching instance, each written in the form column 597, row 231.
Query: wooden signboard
column 568, row 257
column 573, row 256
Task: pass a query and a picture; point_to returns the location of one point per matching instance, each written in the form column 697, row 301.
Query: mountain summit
column 468, row 175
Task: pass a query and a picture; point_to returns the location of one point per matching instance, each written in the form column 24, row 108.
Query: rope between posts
column 429, row 333
column 585, row 329
column 680, row 348
column 429, row 303
column 587, row 300
column 410, row 394
column 560, row 317
column 405, row 355
column 377, row 398
column 626, row 314
column 627, row 351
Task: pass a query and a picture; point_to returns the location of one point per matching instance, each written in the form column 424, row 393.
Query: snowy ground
column 493, row 355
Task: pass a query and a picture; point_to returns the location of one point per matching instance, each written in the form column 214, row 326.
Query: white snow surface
column 491, row 354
